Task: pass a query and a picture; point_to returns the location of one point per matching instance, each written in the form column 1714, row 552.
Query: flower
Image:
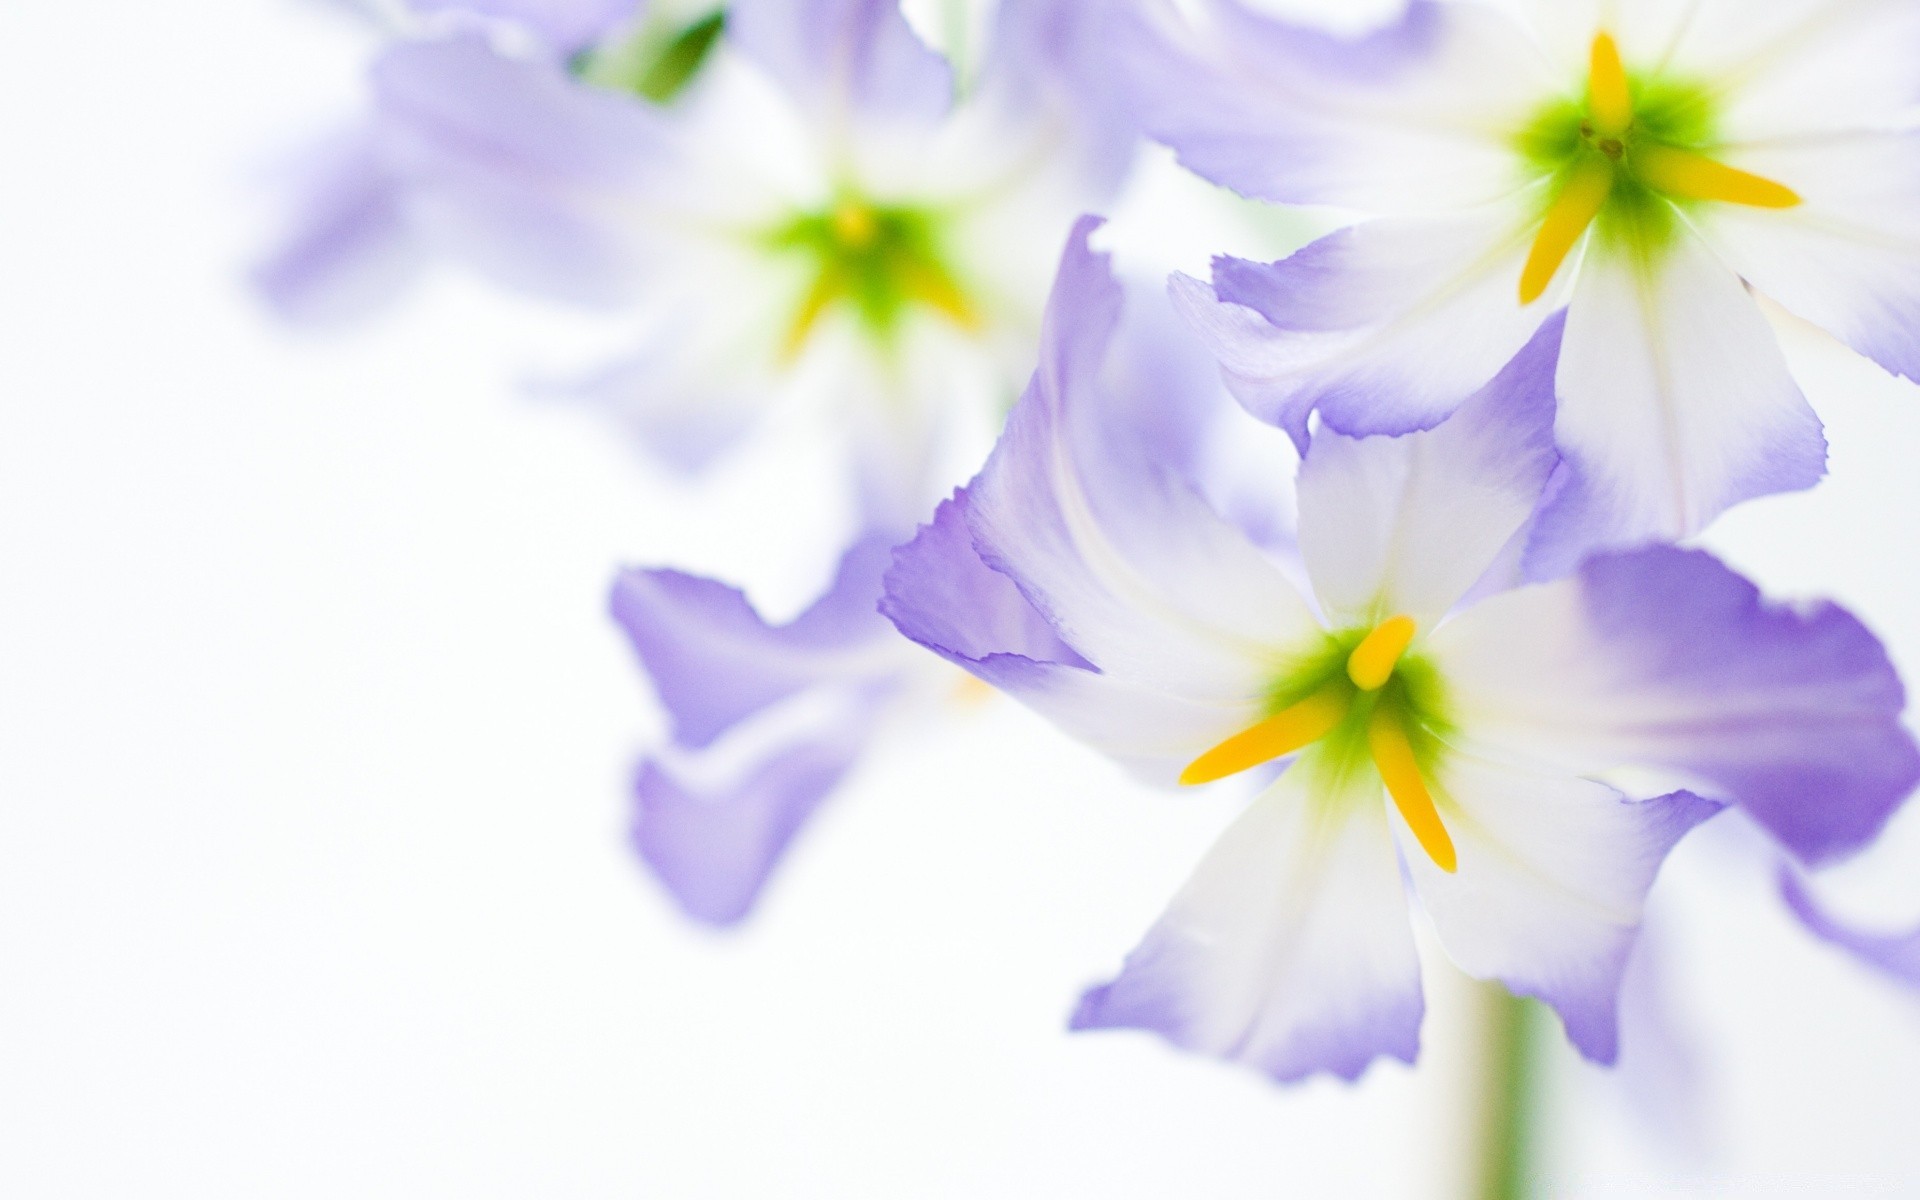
column 1640, row 166
column 1522, row 759
column 768, row 721
column 808, row 211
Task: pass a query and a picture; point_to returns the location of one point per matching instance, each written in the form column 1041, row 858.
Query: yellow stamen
column 971, row 691
column 1372, row 661
column 1579, row 202
column 1297, row 725
column 819, row 297
column 1393, row 757
column 1610, row 100
column 1696, row 177
column 937, row 290
column 855, row 226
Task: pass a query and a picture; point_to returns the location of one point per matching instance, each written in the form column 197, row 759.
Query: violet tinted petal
column 1896, row 954
column 835, row 55
column 715, row 661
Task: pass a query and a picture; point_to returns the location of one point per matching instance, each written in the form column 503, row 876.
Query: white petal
column 1847, row 257
column 1553, row 874
column 1675, row 400
column 1407, row 524
column 1385, row 327
column 1289, row 949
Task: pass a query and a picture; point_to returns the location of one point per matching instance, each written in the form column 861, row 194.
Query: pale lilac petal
column 837, row 56
column 566, row 25
column 1894, row 953
column 1289, row 949
column 1789, row 68
column 516, row 168
column 712, row 830
column 1552, row 882
column 1386, row 327
column 1061, row 58
column 1401, row 121
column 1408, row 524
column 1130, row 566
column 1847, row 258
column 1662, row 663
column 1675, row 404
column 942, row 595
column 715, row 661
column 349, row 246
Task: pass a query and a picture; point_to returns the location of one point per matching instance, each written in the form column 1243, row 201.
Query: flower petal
column 1289, row 949
column 1793, row 67
column 714, row 661
column 1552, row 879
column 1847, row 258
column 1675, row 404
column 515, row 167
column 349, row 246
column 1385, row 327
column 1412, row 119
column 1405, row 525
column 1894, row 953
column 1128, row 564
column 713, row 824
column 844, row 57
column 566, row 24
column 1663, row 661
column 939, row 593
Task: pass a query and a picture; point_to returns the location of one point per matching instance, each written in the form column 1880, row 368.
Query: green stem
column 1507, row 1166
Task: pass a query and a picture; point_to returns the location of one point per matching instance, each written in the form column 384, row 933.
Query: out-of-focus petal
column 845, row 58
column 1663, row 660
column 1552, row 880
column 566, row 25
column 1847, row 257
column 348, row 246
column 713, row 824
column 1406, row 525
column 1289, row 949
column 517, row 169
column 715, row 661
column 1895, row 953
column 1385, row 327
column 1675, row 404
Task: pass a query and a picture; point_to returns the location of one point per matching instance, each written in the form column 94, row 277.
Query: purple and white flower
column 1643, row 166
column 822, row 217
column 767, row 721
column 1520, row 760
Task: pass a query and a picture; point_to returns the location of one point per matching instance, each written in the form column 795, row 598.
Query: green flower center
column 1623, row 159
column 881, row 262
column 1363, row 703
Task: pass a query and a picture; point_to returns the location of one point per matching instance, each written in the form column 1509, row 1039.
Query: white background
column 313, row 739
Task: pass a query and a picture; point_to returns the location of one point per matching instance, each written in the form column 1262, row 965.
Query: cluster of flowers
column 1477, row 666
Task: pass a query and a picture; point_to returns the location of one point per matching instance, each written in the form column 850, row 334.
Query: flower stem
column 1505, row 1164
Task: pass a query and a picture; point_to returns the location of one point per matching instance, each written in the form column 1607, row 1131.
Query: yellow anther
column 1393, row 757
column 1580, row 200
column 854, row 225
column 813, row 306
column 1696, row 177
column 1293, row 727
column 971, row 691
column 1372, row 662
column 1609, row 98
column 937, row 290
